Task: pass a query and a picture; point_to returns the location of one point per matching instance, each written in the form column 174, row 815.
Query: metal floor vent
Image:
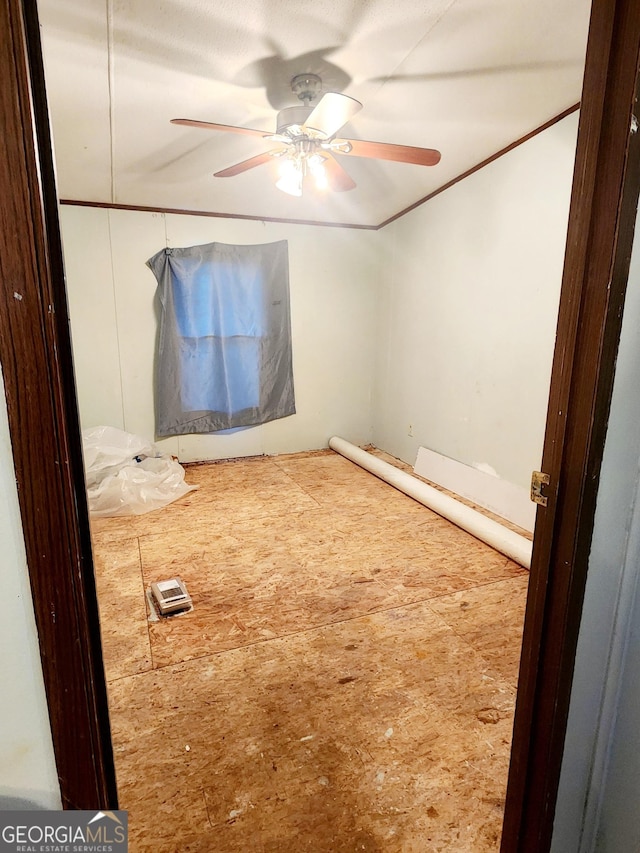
column 170, row 596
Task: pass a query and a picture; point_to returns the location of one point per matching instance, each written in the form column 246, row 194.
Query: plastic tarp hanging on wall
column 127, row 475
column 224, row 357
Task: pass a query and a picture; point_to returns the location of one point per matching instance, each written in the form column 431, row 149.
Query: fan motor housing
column 292, row 115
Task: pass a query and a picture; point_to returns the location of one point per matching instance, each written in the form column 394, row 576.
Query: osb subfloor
column 345, row 682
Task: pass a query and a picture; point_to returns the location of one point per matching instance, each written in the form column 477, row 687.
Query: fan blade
column 338, row 179
column 245, row 165
column 208, row 125
column 388, row 151
column 332, row 112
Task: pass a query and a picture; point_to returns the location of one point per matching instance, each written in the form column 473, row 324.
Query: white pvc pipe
column 514, row 546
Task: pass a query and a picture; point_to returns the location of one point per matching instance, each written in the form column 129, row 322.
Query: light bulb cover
column 290, row 180
column 318, row 170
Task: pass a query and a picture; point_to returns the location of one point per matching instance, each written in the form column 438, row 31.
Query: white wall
column 28, row 777
column 597, row 801
column 469, row 311
column 334, row 286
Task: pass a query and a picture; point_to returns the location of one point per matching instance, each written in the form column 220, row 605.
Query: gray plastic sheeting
column 224, row 346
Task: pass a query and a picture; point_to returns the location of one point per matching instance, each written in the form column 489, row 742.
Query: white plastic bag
column 127, row 475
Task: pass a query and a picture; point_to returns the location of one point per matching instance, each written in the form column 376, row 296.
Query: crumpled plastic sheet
column 127, row 475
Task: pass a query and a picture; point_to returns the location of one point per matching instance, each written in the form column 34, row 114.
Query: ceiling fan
column 306, row 138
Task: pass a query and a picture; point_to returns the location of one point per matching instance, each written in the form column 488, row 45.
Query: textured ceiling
column 467, row 77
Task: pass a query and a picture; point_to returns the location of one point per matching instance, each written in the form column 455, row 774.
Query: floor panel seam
column 303, row 631
column 144, row 596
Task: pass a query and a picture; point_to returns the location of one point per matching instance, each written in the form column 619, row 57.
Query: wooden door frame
column 35, row 353
column 36, row 358
column 598, row 251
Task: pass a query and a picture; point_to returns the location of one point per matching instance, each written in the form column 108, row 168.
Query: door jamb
column 35, row 353
column 598, row 251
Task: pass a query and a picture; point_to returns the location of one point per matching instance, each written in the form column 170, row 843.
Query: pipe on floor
column 509, row 543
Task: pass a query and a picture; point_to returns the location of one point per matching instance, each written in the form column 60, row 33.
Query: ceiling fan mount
column 307, row 87
column 306, row 136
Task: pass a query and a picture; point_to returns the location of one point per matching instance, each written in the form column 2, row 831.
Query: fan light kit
column 306, row 136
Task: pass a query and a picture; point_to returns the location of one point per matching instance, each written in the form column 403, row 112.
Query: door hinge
column 539, row 482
